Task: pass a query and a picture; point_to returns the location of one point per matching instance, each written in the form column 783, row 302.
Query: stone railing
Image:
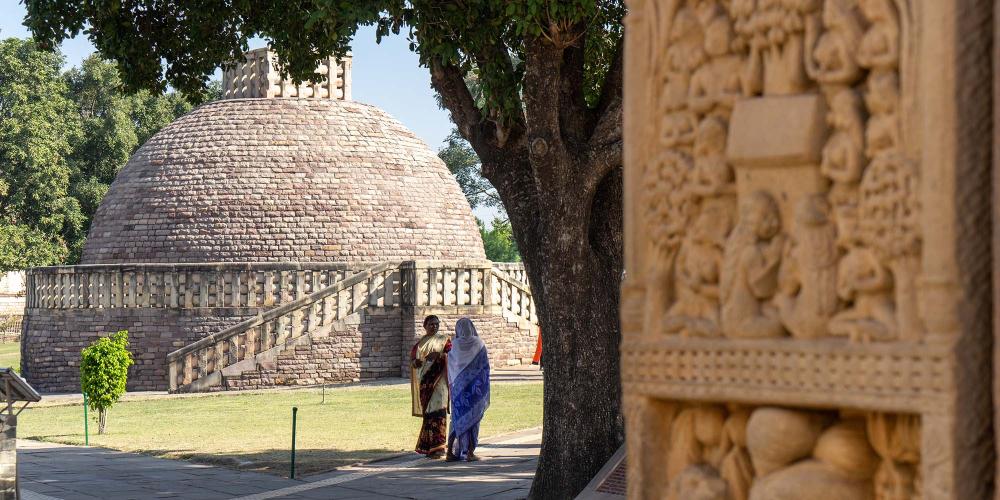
column 513, row 296
column 428, row 284
column 469, row 283
column 514, row 269
column 199, row 365
column 179, row 285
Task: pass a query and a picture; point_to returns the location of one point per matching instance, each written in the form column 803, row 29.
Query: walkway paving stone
column 59, row 472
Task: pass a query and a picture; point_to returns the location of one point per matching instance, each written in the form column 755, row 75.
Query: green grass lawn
column 10, row 356
column 253, row 431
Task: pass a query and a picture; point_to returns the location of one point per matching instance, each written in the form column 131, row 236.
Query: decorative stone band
column 179, row 285
column 911, row 378
column 202, row 364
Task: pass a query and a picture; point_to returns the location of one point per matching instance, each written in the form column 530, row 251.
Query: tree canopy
column 63, row 138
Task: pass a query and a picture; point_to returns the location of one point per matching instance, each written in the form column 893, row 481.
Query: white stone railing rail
column 179, row 285
column 199, row 365
column 513, row 296
column 515, row 270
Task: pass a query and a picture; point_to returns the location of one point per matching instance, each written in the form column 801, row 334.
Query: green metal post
column 86, row 429
column 294, row 411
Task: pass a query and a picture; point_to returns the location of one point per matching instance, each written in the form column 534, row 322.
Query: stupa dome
column 283, row 179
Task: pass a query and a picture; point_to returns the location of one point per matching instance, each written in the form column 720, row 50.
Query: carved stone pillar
column 806, row 312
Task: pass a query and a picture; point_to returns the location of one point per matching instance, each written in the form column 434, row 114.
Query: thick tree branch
column 574, row 117
column 608, row 127
column 542, row 100
column 599, row 161
column 449, row 81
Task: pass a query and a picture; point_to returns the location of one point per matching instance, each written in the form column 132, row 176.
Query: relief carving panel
column 779, row 196
column 791, row 309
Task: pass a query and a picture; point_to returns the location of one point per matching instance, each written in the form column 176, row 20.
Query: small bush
column 104, row 372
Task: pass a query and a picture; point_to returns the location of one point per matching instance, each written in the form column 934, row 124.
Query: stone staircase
column 249, row 354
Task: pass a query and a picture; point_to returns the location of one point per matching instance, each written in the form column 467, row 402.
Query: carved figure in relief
column 750, row 270
column 865, row 283
column 684, row 54
column 808, row 292
column 888, row 222
column 882, row 101
column 698, row 482
column 830, row 60
column 695, row 434
column 879, row 47
column 696, row 311
column 723, row 79
column 736, row 467
column 896, row 439
column 843, row 153
column 668, row 209
column 712, row 175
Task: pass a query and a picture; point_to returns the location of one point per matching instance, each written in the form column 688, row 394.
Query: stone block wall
column 506, row 343
column 53, row 339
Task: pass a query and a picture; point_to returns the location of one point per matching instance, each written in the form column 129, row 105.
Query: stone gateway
column 807, row 308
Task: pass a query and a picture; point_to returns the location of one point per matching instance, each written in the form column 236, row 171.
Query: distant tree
column 104, row 373
column 39, row 219
column 498, row 241
column 463, row 163
column 548, row 131
column 114, row 124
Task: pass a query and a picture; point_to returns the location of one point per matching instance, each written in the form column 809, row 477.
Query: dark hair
column 432, row 316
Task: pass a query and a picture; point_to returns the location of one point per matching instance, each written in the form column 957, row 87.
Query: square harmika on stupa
column 283, row 235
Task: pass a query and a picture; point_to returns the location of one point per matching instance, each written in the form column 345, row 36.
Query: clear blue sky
column 386, row 75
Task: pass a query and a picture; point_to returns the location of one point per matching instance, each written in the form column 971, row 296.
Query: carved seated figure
column 808, row 295
column 831, row 60
column 722, row 80
column 712, row 176
column 696, row 311
column 879, row 47
column 684, row 55
column 864, row 281
column 750, row 271
column 882, row 100
column 843, row 154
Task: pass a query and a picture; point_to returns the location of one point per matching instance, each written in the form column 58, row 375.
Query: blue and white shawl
column 469, row 378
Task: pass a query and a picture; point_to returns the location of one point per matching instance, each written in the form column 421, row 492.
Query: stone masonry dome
column 283, row 179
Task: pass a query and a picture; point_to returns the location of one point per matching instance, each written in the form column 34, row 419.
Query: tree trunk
column 102, row 419
column 575, row 271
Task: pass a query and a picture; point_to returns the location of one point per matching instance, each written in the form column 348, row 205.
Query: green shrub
column 103, row 373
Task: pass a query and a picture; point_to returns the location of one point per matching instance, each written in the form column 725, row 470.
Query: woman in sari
column 429, row 386
column 469, row 377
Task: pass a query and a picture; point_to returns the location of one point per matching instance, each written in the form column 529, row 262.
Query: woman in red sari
column 429, row 386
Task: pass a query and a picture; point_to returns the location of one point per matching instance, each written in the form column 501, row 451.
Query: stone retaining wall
column 369, row 349
column 53, row 339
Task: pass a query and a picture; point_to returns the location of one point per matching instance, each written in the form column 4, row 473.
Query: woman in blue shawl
column 469, row 378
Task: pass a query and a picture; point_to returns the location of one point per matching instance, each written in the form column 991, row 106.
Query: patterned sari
column 429, row 386
column 469, row 377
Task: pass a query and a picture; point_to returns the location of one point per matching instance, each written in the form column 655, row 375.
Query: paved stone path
column 58, row 472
